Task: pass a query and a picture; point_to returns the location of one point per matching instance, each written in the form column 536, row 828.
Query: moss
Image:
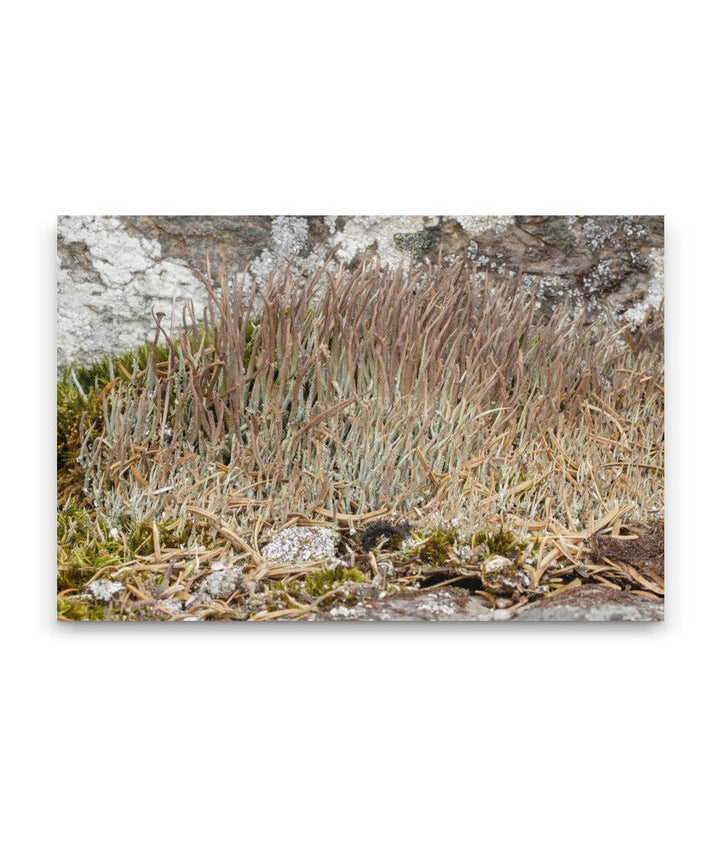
column 171, row 534
column 437, row 547
column 501, row 543
column 77, row 565
column 250, row 333
column 322, row 581
column 73, row 520
column 290, row 592
column 76, row 609
column 83, row 546
column 94, row 377
column 75, row 413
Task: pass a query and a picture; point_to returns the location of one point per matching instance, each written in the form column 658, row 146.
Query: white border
column 586, row 739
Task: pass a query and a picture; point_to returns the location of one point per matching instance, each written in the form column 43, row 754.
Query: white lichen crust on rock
column 360, row 234
column 219, row 584
column 109, row 283
column 301, row 544
column 585, row 603
column 113, row 272
column 104, row 590
column 442, row 605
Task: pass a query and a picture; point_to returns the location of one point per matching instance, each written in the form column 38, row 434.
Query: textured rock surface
column 219, row 585
column 110, row 279
column 301, row 544
column 593, row 603
column 104, row 590
column 589, row 603
column 113, row 271
column 441, row 605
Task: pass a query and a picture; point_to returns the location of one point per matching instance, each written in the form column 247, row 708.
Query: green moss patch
column 321, row 582
column 78, row 609
column 436, row 548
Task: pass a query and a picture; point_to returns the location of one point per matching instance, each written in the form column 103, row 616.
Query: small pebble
column 301, row 544
column 104, row 590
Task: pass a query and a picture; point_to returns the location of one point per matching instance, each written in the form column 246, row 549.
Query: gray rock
column 113, row 271
column 593, row 603
column 588, row 603
column 301, row 544
column 104, row 590
column 110, row 279
column 218, row 585
column 439, row 605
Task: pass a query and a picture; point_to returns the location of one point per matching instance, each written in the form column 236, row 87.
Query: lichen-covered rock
column 587, row 603
column 440, row 605
column 220, row 584
column 110, row 280
column 301, row 544
column 104, row 590
column 113, row 271
column 592, row 603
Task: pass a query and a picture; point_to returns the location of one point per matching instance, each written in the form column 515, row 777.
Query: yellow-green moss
column 500, row 543
column 94, row 377
column 435, row 548
column 322, row 581
column 83, row 547
column 171, row 534
column 72, row 409
column 77, row 565
column 76, row 609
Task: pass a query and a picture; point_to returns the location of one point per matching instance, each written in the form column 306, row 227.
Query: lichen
column 301, row 544
column 417, row 243
column 106, row 299
column 289, row 242
column 655, row 293
column 361, row 233
column 477, row 225
column 104, row 590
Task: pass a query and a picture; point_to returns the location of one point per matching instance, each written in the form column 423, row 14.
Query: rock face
column 593, row 603
column 114, row 271
column 110, row 279
column 442, row 605
column 587, row 603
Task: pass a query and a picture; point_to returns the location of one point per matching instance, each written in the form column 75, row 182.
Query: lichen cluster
column 425, row 433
